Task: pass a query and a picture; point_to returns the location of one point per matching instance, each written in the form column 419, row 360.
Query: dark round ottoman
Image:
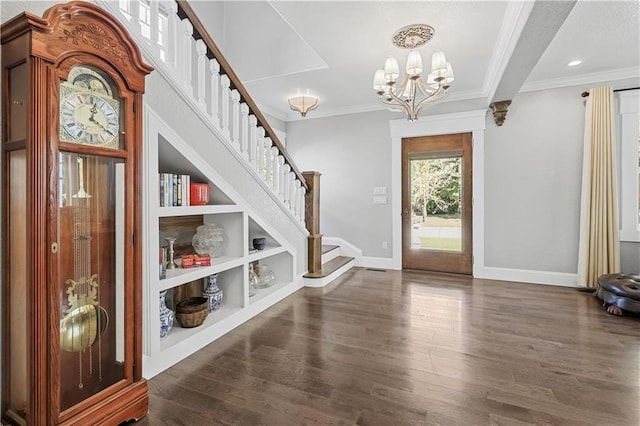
column 619, row 292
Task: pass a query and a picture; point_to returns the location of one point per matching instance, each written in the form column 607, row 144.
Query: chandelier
column 413, row 92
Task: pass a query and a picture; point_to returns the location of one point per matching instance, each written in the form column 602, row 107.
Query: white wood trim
column 531, row 277
column 581, row 79
column 376, row 262
column 470, row 121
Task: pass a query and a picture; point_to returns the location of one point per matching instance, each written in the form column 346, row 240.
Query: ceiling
column 332, row 48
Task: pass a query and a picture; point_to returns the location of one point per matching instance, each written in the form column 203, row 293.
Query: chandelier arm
column 441, row 94
column 400, row 88
column 425, row 89
column 398, row 102
column 391, row 105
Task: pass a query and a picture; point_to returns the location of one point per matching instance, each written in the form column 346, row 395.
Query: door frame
column 470, row 121
column 439, row 146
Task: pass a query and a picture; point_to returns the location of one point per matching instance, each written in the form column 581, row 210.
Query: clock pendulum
column 85, row 321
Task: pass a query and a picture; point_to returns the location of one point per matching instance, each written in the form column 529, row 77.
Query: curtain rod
column 585, row 94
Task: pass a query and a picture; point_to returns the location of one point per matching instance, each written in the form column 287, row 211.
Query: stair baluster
column 253, row 136
column 244, row 130
column 268, row 160
column 214, row 75
column 235, row 118
column 224, row 103
column 275, row 170
column 201, row 50
column 177, row 42
column 260, row 152
column 185, row 55
column 173, row 23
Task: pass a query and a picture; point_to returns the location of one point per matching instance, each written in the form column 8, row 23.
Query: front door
column 436, row 203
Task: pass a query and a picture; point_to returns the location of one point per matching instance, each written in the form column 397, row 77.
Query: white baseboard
column 376, row 262
column 527, row 276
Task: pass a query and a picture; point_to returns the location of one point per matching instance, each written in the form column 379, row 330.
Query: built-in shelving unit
column 166, row 152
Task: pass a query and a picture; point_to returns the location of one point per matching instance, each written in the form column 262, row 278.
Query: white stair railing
column 167, row 31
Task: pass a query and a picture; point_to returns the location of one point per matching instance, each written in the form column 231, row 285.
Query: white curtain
column 599, row 246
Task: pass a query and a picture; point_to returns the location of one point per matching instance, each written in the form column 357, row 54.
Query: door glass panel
column 16, row 287
column 436, row 203
column 90, row 275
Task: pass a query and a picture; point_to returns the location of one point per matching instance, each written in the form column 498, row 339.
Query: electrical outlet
column 384, row 244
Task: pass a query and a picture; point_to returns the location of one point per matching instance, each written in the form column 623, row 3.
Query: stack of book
column 174, row 190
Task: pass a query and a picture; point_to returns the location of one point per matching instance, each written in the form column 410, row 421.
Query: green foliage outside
column 435, row 186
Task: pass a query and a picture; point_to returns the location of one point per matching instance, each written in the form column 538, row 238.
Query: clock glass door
column 91, row 274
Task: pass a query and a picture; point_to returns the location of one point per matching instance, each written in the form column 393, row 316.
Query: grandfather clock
column 72, row 85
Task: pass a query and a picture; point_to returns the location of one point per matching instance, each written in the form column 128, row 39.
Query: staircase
column 183, row 53
column 337, row 258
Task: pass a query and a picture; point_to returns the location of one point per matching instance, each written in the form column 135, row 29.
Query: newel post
column 312, row 221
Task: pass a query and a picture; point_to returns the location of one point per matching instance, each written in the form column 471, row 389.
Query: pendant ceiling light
column 413, row 92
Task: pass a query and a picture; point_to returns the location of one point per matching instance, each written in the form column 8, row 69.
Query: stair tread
column 330, row 267
column 326, row 248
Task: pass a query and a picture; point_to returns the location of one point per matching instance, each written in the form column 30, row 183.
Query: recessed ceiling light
column 574, row 63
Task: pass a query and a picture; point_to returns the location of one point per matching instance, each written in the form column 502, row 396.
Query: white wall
column 533, row 177
column 533, row 169
column 353, row 154
column 211, row 14
column 532, row 182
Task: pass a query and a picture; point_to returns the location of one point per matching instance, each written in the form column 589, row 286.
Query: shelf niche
column 170, row 160
column 168, row 153
column 257, row 231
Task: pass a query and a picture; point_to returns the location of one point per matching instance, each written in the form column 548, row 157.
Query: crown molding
column 375, row 106
column 576, row 80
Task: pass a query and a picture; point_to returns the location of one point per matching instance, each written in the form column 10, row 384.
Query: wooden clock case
column 44, row 382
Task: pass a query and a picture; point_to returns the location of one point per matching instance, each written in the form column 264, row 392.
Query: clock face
column 89, row 119
column 88, row 112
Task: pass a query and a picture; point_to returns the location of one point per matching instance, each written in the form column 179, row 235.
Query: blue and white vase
column 166, row 316
column 213, row 293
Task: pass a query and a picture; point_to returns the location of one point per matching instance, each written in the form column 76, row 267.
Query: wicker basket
column 192, row 312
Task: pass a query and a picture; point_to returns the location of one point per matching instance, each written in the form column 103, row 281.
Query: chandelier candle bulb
column 439, row 65
column 391, row 70
column 414, row 63
column 449, row 73
column 378, row 81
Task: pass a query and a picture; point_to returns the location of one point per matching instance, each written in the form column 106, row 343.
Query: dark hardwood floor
column 407, row 348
